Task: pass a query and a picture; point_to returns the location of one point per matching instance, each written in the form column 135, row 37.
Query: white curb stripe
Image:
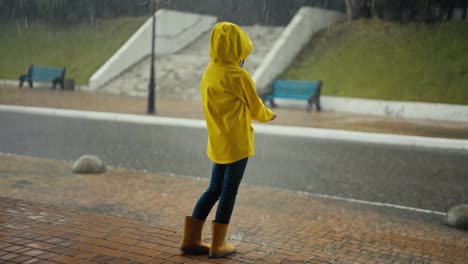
column 338, row 198
column 353, row 136
column 325, row 196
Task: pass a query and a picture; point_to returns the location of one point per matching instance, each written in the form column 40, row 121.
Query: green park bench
column 298, row 90
column 43, row 74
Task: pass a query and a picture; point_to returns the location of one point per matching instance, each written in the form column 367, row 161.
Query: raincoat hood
column 229, row 43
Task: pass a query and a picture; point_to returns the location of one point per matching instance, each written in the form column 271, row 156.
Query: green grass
column 81, row 48
column 382, row 60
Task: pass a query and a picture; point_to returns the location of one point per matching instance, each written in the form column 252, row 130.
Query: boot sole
column 222, row 255
column 193, row 252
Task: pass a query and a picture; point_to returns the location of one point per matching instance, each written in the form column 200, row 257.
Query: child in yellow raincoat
column 230, row 103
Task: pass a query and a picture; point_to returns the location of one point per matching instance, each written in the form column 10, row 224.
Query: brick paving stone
column 21, row 259
column 104, row 259
column 287, row 261
column 255, row 255
column 86, row 255
column 34, row 252
column 65, row 259
column 9, row 256
column 84, row 246
column 157, row 261
column 122, row 240
column 58, row 249
column 22, row 250
column 181, row 259
column 111, row 252
column 136, row 257
column 143, row 251
column 46, row 262
column 24, row 242
column 163, row 255
column 56, row 240
column 145, row 244
column 34, row 260
column 91, row 240
column 12, row 248
column 121, row 261
column 11, row 239
column 72, row 252
column 275, row 258
column 41, row 237
column 48, row 255
column 216, row 260
column 40, row 245
column 118, row 246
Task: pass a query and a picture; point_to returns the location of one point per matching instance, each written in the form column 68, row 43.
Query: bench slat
column 41, row 73
column 301, row 90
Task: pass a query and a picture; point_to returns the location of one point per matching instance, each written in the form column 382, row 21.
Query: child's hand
column 273, row 118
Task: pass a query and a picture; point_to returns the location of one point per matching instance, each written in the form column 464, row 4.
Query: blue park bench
column 43, row 74
column 298, row 90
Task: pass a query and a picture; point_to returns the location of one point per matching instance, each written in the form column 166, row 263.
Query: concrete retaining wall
column 298, row 33
column 11, row 83
column 174, row 31
column 406, row 110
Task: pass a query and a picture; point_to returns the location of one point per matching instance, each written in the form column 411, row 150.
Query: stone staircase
column 178, row 75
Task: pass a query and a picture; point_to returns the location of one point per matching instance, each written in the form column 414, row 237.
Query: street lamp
column 152, row 83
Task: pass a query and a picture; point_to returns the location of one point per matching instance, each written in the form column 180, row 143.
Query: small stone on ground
column 457, row 216
column 89, row 164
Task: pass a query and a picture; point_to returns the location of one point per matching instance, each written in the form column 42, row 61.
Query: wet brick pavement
column 268, row 225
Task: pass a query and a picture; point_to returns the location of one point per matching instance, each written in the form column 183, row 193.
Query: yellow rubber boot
column 219, row 247
column 191, row 242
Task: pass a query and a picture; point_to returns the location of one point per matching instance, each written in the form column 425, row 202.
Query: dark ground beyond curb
column 45, row 97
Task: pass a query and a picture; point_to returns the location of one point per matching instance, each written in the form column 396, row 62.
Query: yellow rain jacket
column 229, row 98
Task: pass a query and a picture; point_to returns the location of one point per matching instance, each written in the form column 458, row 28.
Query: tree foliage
column 70, row 10
column 405, row 10
column 238, row 11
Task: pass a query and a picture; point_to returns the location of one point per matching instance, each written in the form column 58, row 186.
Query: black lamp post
column 152, row 83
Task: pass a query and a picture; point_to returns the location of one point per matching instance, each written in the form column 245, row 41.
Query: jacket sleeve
column 259, row 112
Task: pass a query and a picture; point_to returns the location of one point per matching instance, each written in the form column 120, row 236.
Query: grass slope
column 81, row 48
column 381, row 60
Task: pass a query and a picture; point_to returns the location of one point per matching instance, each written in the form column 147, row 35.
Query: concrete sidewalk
column 45, row 97
column 50, row 215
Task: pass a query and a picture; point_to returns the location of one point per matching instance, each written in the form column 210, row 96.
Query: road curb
column 265, row 129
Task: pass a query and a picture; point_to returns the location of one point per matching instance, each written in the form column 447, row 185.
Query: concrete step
column 178, row 75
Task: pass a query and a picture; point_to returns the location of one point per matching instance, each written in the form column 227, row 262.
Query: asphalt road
column 427, row 178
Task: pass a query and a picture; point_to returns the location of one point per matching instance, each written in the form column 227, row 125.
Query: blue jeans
column 225, row 180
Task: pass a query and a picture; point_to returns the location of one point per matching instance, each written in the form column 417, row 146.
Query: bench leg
column 273, row 104
column 317, row 97
column 267, row 98
column 310, row 103
column 317, row 103
column 21, row 80
column 314, row 100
